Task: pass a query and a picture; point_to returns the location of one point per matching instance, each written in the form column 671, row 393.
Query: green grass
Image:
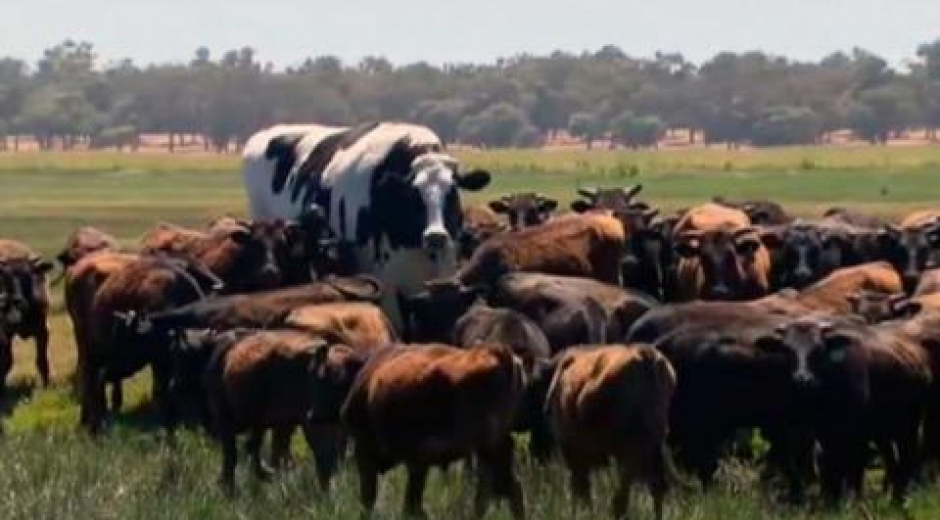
column 48, row 470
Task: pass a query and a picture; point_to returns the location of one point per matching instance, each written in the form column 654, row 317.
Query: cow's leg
column 621, row 499
column 509, row 483
column 656, row 477
column 540, row 441
column 163, row 395
column 253, row 447
column 484, row 486
column 280, row 446
column 496, row 477
column 327, row 446
column 6, row 361
column 117, row 395
column 579, row 480
column 229, row 457
column 908, row 462
column 414, row 491
column 93, row 400
column 41, row 336
column 368, row 479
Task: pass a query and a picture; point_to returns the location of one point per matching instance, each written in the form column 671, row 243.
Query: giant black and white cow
column 388, row 191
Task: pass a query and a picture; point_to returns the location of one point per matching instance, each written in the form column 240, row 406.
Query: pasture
column 49, row 470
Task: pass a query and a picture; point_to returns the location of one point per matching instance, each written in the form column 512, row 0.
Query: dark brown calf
column 261, row 380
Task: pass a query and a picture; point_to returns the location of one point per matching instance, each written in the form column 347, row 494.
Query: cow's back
column 711, row 217
column 258, row 170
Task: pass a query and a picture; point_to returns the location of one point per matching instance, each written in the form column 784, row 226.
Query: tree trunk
column 171, row 145
column 691, row 136
column 16, row 142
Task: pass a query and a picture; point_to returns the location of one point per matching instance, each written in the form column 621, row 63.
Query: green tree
column 786, row 125
column 585, row 125
column 501, row 124
column 637, row 131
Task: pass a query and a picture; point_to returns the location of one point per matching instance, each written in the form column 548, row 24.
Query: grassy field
column 47, row 470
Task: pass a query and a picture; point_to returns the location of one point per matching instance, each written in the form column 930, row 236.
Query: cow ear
column 473, row 180
column 581, row 206
column 686, row 248
column 499, row 206
column 769, row 342
column 240, row 236
column 42, row 266
column 547, row 205
column 748, row 246
column 771, row 237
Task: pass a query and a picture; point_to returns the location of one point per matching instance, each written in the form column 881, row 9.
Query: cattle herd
column 364, row 305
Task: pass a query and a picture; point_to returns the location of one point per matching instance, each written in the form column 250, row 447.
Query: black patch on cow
column 283, row 151
column 310, row 174
column 364, row 226
column 342, row 219
column 398, row 210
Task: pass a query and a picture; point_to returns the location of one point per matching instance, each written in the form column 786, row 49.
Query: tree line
column 66, row 99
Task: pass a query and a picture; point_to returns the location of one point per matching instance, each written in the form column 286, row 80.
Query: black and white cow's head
column 415, row 197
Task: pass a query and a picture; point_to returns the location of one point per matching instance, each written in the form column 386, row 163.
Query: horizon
column 136, row 30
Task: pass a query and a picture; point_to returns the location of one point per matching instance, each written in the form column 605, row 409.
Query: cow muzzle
column 804, row 380
column 435, row 241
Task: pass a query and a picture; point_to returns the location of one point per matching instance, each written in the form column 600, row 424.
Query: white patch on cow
column 350, row 173
column 259, row 170
column 434, row 178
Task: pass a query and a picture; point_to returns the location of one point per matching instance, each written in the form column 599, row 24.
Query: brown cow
column 262, row 309
column 146, row 284
column 578, row 245
column 82, row 281
column 828, row 296
column 426, row 405
column 724, row 264
column 362, row 326
column 722, row 256
column 544, row 297
column 525, row 209
column 261, row 380
column 480, row 223
column 29, row 271
column 82, row 242
column 613, row 402
column 247, row 258
column 913, row 246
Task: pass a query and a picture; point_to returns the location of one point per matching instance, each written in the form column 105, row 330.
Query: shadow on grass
column 145, row 417
column 13, row 395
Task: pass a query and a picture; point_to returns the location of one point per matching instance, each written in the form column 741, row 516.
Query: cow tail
column 549, row 403
column 663, row 378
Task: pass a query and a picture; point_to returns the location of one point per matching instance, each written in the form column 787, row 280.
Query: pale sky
column 286, row 31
